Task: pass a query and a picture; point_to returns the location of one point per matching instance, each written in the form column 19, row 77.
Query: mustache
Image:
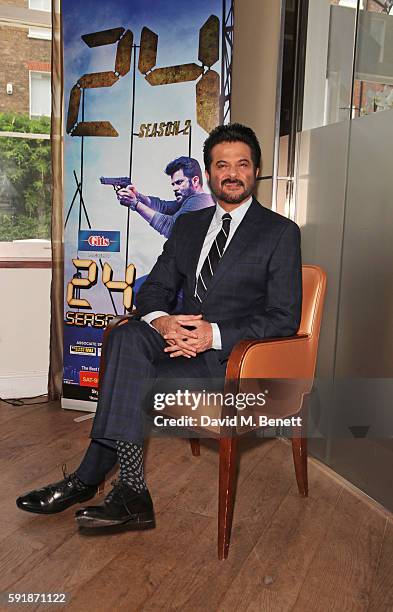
column 232, row 182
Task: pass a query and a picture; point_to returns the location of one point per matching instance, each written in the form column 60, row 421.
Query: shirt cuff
column 216, row 344
column 150, row 316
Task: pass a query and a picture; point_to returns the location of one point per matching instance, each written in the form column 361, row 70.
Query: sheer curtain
column 57, row 288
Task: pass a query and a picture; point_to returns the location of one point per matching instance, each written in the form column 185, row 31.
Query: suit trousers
column 136, row 367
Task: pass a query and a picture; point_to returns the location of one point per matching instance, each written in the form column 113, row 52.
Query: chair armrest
column 281, row 368
column 120, row 319
column 115, row 322
column 288, row 357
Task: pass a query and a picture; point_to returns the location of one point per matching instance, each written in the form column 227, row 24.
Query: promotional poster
column 144, row 84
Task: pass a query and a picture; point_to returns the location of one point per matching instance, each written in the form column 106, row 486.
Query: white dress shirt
column 237, row 216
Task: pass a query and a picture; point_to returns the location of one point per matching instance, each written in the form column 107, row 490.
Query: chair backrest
column 286, row 360
column 287, row 367
column 314, row 288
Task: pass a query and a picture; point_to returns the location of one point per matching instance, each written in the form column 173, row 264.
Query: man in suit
column 187, row 185
column 239, row 267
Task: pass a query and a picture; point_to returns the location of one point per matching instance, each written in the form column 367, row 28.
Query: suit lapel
column 248, row 230
column 196, row 240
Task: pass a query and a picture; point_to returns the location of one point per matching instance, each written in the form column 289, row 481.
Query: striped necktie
column 213, row 258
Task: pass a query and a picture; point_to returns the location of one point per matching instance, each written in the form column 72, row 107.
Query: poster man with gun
column 187, row 185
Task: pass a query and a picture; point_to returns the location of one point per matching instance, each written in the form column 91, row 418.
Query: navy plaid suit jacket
column 255, row 293
column 256, row 289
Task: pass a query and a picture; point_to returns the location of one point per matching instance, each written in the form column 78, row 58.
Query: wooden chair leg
column 226, row 493
column 195, row 447
column 299, row 451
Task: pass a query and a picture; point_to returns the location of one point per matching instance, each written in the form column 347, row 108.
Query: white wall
column 24, row 331
column 254, row 79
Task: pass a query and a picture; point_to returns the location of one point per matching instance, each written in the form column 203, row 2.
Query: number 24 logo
column 207, row 88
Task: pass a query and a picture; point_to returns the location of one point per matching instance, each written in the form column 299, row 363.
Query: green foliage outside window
column 25, row 179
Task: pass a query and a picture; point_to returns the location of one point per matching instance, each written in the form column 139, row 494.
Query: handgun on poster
column 117, row 182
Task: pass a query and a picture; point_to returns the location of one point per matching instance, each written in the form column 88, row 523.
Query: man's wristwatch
column 133, row 205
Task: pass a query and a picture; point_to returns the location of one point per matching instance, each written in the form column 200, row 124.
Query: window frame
column 39, row 33
column 30, row 97
column 27, row 253
column 33, row 8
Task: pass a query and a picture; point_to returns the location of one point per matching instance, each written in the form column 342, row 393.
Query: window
column 40, row 94
column 351, row 3
column 25, row 147
column 42, row 33
column 40, row 5
column 25, row 178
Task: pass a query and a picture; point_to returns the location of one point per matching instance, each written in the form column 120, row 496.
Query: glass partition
column 331, row 34
column 344, row 205
column 373, row 85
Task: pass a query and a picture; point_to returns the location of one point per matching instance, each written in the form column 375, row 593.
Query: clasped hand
column 183, row 342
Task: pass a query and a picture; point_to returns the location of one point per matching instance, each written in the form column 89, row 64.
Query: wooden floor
column 332, row 551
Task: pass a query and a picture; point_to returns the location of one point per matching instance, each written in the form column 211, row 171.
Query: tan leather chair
column 284, row 367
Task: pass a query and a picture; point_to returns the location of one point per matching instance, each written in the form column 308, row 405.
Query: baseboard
column 80, row 405
column 349, row 486
column 23, row 384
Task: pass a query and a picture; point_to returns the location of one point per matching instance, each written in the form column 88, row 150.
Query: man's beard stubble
column 219, row 193
column 183, row 196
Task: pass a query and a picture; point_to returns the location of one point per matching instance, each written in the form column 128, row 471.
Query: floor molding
column 347, row 485
column 23, row 384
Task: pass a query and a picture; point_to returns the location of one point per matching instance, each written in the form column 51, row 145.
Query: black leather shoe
column 122, row 506
column 58, row 496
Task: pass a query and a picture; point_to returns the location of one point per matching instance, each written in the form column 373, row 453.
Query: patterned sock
column 130, row 458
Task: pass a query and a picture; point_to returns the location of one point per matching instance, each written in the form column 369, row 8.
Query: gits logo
column 98, row 240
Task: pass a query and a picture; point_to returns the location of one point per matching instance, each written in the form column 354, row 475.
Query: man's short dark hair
column 233, row 132
column 189, row 165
